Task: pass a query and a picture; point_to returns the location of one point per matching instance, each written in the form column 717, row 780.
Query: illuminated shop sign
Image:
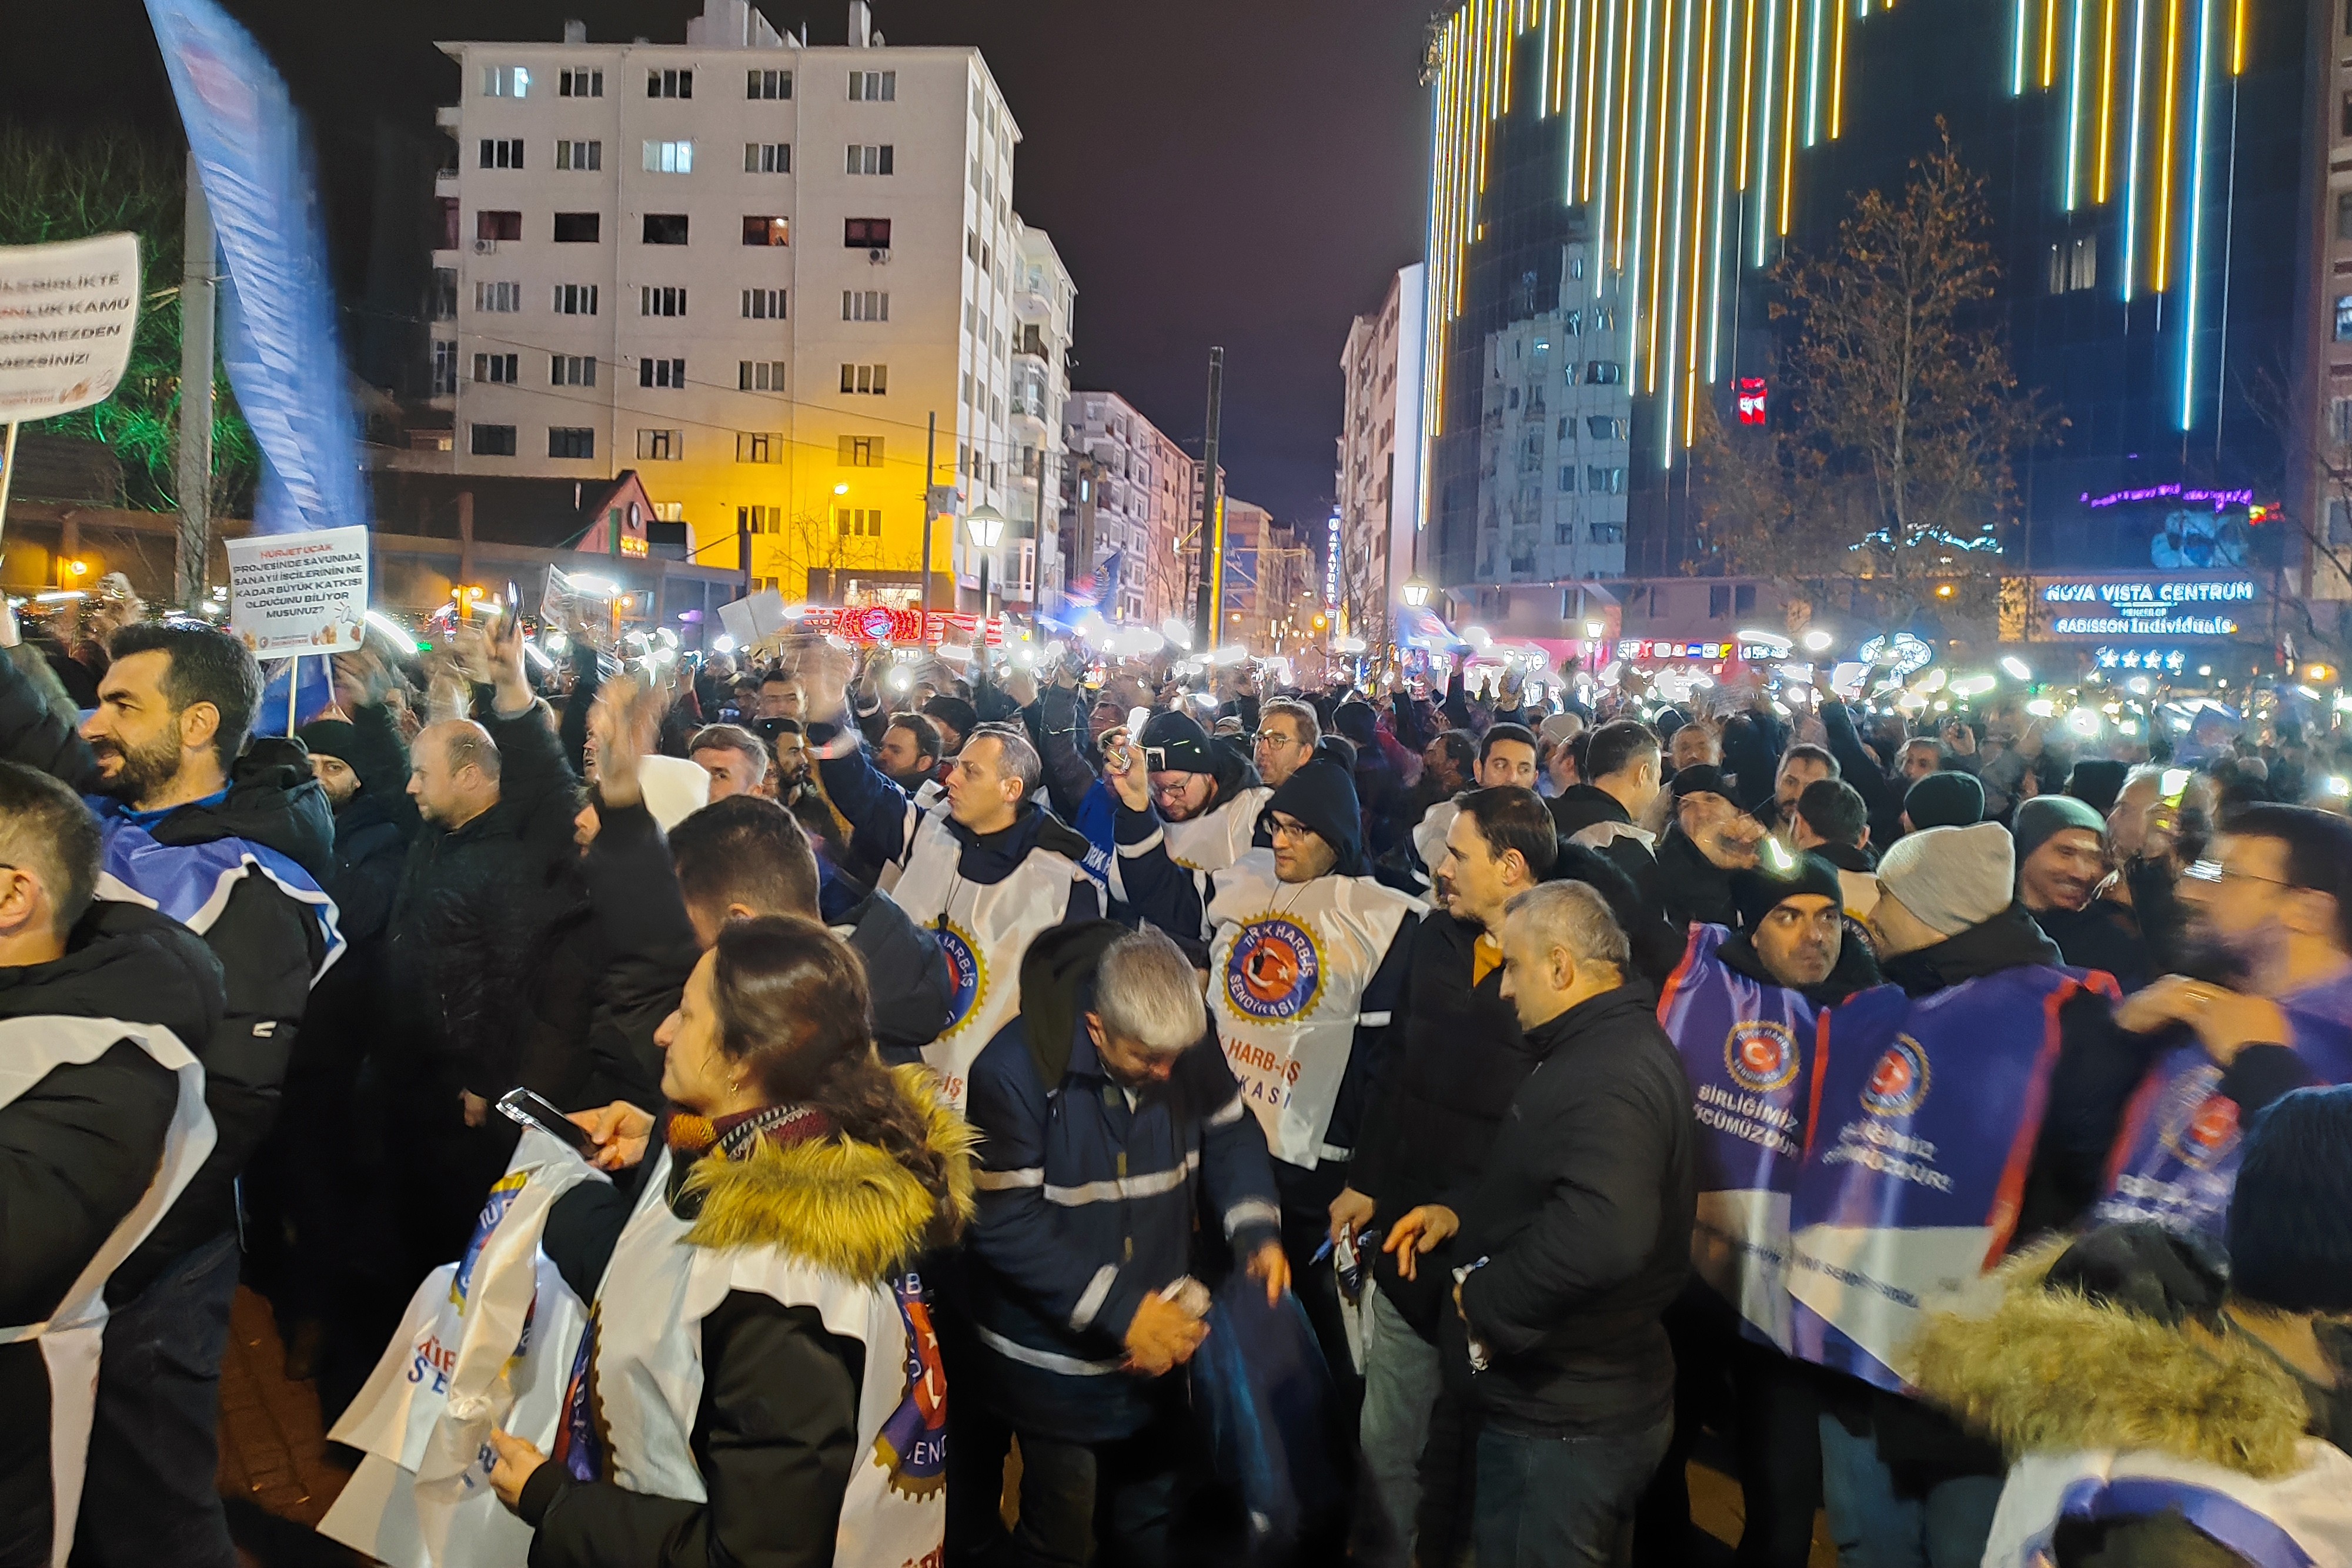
column 2169, row 660
column 1905, row 653
column 1655, row 648
column 2139, row 607
column 1751, row 399
column 2185, row 494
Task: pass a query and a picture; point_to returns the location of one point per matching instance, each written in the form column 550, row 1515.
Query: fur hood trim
column 844, row 1206
column 2054, row 1372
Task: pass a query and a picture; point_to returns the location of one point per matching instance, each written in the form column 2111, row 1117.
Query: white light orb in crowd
column 1818, row 640
column 2015, row 668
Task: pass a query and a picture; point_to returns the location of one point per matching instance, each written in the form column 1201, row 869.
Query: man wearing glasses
column 2267, row 1008
column 1306, row 962
column 1207, row 797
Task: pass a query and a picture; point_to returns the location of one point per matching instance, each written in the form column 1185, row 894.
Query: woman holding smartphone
column 759, row 1383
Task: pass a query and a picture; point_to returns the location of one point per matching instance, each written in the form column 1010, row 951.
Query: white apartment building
column 754, row 269
column 1133, row 490
column 1557, row 413
column 1378, row 484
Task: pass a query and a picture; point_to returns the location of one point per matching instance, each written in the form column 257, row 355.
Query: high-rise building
column 1378, row 483
column 1131, row 492
column 1646, row 164
column 755, row 271
column 1265, row 572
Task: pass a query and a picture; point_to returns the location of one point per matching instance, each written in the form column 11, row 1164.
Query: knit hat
column 1561, row 727
column 1323, row 797
column 1700, row 779
column 1182, row 740
column 1755, row 889
column 1951, row 878
column 329, row 737
column 2291, row 1213
column 2044, row 816
column 1945, row 800
column 2096, row 782
column 674, row 789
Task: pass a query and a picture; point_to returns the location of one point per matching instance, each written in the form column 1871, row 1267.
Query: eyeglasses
column 1280, row 828
column 2215, row 872
column 1275, row 737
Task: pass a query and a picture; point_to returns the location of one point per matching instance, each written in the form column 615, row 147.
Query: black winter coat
column 78, row 1150
column 1583, row 1214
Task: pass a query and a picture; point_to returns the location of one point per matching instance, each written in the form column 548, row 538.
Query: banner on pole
column 279, row 344
column 303, row 595
column 66, row 315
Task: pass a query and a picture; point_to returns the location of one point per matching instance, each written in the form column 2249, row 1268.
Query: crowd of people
column 917, row 1113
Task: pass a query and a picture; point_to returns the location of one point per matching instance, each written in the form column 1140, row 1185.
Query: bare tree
column 2320, row 621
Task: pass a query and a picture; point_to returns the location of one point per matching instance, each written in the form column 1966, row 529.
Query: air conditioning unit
column 486, row 247
column 879, row 254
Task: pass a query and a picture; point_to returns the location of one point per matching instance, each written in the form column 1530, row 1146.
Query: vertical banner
column 279, row 344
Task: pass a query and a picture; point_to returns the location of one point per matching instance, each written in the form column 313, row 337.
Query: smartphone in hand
column 533, row 1110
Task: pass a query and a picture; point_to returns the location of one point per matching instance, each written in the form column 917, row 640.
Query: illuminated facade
column 2144, row 167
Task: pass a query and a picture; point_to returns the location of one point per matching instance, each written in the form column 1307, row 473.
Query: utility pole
column 1211, row 607
column 930, row 509
column 197, row 314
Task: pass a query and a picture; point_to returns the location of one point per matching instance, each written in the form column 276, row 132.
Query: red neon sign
column 1750, row 392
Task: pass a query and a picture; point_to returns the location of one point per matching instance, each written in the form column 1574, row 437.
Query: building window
column 660, row 446
column 866, row 233
column 498, row 226
column 767, row 231
column 759, row 375
column 870, row 160
column 669, row 84
column 2074, row 265
column 767, row 84
column 499, row 370
column 1600, row 481
column 857, row 522
column 579, row 228
column 2343, row 207
column 767, row 157
column 492, row 440
column 2339, row 421
column 1600, row 427
column 758, row 446
column 861, row 452
column 1604, row 374
column 2344, row 318
column 503, row 298
column 502, row 152
column 1609, row 533
column 665, row 228
column 873, row 87
column 444, row 368
column 2339, row 524
column 506, row 81
column 1567, row 478
column 865, row 305
column 874, row 379
column 445, row 294
column 578, row 155
column 571, row 370
column 651, row 301
column 760, row 519
column 448, row 239
column 570, row 441
column 661, row 372
column 669, row 157
column 579, row 84
column 576, row 299
column 764, row 305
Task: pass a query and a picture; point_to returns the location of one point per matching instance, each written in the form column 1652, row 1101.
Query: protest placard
column 300, row 594
column 66, row 315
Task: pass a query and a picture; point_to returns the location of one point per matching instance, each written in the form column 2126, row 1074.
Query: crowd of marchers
column 991, row 1119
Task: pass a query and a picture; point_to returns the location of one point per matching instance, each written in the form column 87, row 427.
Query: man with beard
column 1801, row 765
column 909, row 756
column 2062, row 859
column 1208, row 798
column 1287, row 735
column 2266, row 1007
column 1709, row 837
column 232, row 841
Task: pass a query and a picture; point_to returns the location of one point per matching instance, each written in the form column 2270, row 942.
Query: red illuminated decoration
column 876, row 624
column 1751, row 399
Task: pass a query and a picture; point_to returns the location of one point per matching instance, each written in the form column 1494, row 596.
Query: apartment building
column 756, row 270
column 1378, row 482
column 1133, row 490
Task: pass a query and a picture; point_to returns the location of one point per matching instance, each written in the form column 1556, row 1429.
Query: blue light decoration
column 1904, row 653
column 2163, row 660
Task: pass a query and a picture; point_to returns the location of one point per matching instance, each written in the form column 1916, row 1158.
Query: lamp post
column 1415, row 593
column 986, row 525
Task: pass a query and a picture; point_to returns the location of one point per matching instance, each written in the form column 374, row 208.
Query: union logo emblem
column 2209, row 1134
column 967, row 972
column 912, row 1445
column 1275, row 973
column 1899, row 1083
column 1760, row 1056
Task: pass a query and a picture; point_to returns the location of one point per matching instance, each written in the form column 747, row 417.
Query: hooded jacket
column 775, row 1435
column 2148, row 1367
column 78, row 1150
column 1857, row 968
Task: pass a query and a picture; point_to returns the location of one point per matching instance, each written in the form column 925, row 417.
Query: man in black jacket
column 1578, row 1232
column 231, row 840
column 82, row 1143
column 1622, row 760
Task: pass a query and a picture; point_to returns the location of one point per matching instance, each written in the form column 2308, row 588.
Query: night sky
column 1239, row 172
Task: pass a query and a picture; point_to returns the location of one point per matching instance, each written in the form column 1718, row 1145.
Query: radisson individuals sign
column 2105, row 607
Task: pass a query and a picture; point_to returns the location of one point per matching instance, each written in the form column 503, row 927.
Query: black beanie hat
column 1323, row 797
column 1185, row 744
column 1756, row 889
column 329, row 737
column 2044, row 817
column 2096, row 782
column 2291, row 1212
column 1945, row 800
column 1700, row 779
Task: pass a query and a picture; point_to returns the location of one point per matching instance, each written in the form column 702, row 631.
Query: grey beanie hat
column 1951, row 878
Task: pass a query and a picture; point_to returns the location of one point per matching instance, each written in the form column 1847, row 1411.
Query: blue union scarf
column 191, row 883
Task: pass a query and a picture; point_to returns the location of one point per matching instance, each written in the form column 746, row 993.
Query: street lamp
column 986, row 525
column 1415, row 592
